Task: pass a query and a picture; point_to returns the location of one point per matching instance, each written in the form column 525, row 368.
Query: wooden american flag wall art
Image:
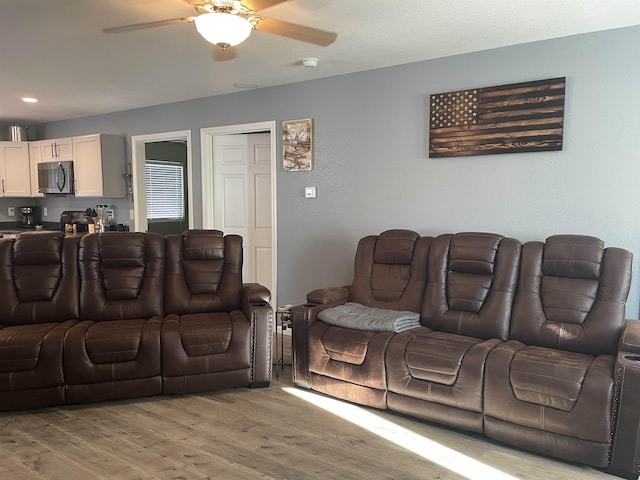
column 520, row 117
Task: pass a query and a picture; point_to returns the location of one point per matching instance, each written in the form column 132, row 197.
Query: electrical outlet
column 44, row 212
column 11, row 212
column 132, row 215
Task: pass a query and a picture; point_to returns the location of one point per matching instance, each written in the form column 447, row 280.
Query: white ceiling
column 55, row 50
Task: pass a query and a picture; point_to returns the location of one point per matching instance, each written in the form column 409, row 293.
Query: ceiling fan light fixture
column 223, row 29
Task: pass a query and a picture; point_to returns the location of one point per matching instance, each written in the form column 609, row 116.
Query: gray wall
column 372, row 173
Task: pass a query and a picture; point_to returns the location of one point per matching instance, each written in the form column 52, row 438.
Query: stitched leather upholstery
column 436, row 372
column 82, row 318
column 572, row 294
column 39, row 290
column 520, row 342
column 114, row 351
column 206, row 340
column 555, row 378
column 390, row 272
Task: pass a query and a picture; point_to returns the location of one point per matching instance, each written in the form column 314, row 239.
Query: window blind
column 165, row 190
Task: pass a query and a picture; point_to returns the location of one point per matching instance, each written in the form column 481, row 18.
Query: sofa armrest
column 254, row 293
column 302, row 317
column 255, row 304
column 630, row 339
column 625, row 447
column 334, row 295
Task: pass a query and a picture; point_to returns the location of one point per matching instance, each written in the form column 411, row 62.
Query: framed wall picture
column 297, row 145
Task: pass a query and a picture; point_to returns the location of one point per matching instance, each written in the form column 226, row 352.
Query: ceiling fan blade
column 296, row 32
column 140, row 26
column 257, row 5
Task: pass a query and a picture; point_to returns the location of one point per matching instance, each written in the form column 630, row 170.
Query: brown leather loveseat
column 526, row 343
column 119, row 315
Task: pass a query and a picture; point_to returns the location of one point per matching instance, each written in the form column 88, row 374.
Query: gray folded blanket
column 359, row 317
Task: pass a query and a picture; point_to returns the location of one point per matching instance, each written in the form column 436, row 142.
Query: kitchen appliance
column 55, row 177
column 30, row 216
column 78, row 218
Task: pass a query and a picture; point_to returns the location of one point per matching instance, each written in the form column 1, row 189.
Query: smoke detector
column 310, row 62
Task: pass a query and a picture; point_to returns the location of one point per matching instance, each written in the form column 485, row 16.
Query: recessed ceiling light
column 246, row 85
column 29, row 100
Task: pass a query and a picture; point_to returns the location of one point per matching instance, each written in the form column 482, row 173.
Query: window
column 165, row 191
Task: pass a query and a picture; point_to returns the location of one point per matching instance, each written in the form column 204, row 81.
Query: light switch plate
column 309, row 192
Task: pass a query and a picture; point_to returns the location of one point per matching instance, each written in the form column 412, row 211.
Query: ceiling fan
column 226, row 23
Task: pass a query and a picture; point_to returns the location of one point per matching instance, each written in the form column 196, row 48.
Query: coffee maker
column 30, row 216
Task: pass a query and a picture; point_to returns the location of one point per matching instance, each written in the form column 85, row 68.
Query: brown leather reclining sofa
column 119, row 315
column 526, row 343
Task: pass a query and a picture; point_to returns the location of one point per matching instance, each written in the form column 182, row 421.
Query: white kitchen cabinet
column 35, row 157
column 15, row 169
column 99, row 165
column 57, row 150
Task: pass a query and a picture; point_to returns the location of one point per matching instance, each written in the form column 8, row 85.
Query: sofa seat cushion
column 111, row 351
column 549, row 390
column 437, row 367
column 20, row 347
column 354, row 356
column 31, row 356
column 114, row 342
column 205, row 342
column 437, row 357
column 548, row 377
column 205, row 334
column 351, row 348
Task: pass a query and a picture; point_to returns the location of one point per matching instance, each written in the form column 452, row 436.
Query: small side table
column 283, row 321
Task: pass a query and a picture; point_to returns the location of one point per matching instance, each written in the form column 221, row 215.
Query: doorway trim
column 137, row 169
column 206, row 164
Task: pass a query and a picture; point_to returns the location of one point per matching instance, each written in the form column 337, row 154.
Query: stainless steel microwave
column 55, row 177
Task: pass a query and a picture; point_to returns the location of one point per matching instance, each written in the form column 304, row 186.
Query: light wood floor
column 265, row 433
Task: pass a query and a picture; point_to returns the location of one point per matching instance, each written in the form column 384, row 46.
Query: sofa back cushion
column 203, row 272
column 470, row 284
column 390, row 270
column 121, row 276
column 38, row 278
column 571, row 294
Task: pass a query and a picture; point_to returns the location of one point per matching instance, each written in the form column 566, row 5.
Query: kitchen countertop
column 15, row 233
column 17, row 226
column 11, row 229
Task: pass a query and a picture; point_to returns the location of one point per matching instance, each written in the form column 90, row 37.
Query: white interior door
column 242, row 199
